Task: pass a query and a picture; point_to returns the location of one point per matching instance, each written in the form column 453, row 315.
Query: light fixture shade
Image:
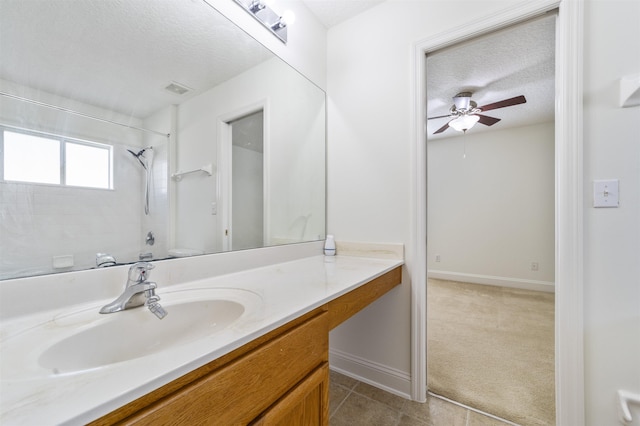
column 464, row 122
column 288, row 17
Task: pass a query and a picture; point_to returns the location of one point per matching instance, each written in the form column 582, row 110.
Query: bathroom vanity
column 268, row 366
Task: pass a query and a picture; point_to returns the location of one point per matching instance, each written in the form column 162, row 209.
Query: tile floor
column 353, row 403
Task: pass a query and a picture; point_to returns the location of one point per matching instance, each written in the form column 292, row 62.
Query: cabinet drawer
column 307, row 404
column 238, row 392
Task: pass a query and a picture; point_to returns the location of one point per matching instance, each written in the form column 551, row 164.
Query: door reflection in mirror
column 247, row 182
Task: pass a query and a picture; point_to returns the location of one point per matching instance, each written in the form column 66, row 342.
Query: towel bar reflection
column 208, row 169
column 626, row 398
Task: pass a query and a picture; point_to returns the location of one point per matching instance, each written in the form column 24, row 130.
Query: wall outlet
column 214, row 208
column 535, row 266
column 437, row 258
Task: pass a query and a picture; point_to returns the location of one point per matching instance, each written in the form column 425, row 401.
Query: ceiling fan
column 465, row 113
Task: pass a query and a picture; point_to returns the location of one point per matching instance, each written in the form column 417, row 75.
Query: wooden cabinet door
column 307, row 404
column 239, row 392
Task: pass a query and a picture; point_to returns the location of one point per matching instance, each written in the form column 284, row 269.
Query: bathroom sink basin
column 85, row 339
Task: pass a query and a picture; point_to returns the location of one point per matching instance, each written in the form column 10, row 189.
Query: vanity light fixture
column 257, row 5
column 287, row 18
column 274, row 22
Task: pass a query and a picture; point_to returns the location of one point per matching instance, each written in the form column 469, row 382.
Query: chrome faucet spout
column 137, row 292
column 131, row 297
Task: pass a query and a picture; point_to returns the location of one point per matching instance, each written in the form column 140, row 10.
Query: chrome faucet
column 104, row 259
column 137, row 292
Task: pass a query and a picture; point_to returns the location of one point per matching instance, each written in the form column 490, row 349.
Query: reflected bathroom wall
column 294, row 157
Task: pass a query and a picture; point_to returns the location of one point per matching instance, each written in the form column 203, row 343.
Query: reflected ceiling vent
column 177, row 88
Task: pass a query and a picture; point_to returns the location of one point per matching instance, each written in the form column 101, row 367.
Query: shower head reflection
column 140, row 156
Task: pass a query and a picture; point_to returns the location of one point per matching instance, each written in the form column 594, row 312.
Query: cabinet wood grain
column 118, row 416
column 347, row 305
column 307, row 404
column 237, row 393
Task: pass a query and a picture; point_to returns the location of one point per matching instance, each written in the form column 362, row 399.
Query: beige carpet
column 492, row 348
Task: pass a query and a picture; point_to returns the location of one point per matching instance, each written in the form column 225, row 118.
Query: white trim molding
column 569, row 198
column 381, row 376
column 418, row 264
column 569, row 216
column 510, row 282
column 223, row 196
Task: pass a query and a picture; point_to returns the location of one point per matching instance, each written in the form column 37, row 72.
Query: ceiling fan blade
column 486, row 120
column 505, row 103
column 441, row 129
column 440, row 116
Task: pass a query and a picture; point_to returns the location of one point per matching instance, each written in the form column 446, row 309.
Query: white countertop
column 286, row 291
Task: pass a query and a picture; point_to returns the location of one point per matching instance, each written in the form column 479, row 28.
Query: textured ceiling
column 519, row 60
column 332, row 12
column 120, row 55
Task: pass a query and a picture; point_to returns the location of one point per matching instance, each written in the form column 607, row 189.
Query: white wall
column 369, row 179
column 491, row 211
column 612, row 236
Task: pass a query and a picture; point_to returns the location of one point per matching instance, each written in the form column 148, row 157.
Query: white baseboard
column 381, row 376
column 519, row 283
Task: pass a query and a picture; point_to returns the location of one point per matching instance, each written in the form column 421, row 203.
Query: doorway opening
column 569, row 355
column 242, row 193
column 490, row 226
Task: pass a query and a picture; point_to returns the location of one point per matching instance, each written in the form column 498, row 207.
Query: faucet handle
column 139, row 272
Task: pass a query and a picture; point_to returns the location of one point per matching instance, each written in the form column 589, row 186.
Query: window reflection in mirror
column 43, row 158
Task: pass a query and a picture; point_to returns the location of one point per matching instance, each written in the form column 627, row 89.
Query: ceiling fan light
column 464, row 123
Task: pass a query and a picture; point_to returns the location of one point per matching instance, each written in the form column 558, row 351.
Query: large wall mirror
column 146, row 130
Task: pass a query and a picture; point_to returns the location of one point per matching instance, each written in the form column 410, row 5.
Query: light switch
column 605, row 193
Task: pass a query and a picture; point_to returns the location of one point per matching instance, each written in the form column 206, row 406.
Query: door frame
column 224, row 182
column 569, row 352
